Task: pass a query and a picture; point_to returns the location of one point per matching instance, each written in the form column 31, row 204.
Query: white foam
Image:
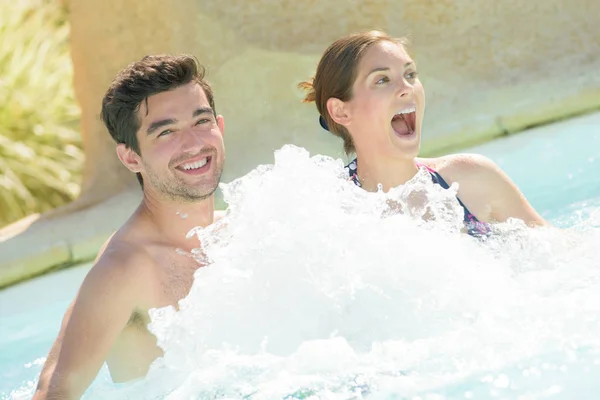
column 318, row 288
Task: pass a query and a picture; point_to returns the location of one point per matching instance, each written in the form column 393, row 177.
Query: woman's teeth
column 407, row 111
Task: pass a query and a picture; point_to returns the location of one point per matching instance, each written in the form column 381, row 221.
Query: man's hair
column 140, row 80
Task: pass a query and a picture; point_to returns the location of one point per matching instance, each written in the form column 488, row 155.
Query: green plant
column 40, row 148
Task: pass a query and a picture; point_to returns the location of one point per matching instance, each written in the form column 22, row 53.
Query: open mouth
column 196, row 167
column 403, row 122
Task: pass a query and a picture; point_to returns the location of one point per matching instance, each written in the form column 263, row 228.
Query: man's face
column 181, row 144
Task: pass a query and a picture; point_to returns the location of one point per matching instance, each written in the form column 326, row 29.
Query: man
column 161, row 113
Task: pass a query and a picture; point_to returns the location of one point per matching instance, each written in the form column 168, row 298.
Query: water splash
column 318, row 289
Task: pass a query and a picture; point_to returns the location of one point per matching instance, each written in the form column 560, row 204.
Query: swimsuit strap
column 474, row 226
column 352, row 170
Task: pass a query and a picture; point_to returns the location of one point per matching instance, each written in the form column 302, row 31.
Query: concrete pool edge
column 44, row 245
column 78, row 238
column 53, row 258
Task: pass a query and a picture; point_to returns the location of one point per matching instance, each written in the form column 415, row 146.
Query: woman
column 367, row 92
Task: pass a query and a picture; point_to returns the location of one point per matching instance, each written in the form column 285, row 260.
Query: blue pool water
column 555, row 166
column 31, row 314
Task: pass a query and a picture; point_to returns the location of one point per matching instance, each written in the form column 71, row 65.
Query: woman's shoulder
column 459, row 166
column 479, row 180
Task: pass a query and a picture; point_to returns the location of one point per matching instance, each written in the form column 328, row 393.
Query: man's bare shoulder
column 127, row 248
column 121, row 263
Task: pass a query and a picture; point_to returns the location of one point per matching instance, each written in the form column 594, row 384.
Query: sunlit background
column 515, row 81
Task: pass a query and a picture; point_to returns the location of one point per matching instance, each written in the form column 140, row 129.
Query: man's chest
column 175, row 278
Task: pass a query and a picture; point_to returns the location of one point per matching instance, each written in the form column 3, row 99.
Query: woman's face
column 385, row 113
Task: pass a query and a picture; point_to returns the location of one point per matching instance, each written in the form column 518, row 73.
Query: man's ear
column 129, row 158
column 338, row 111
column 221, row 124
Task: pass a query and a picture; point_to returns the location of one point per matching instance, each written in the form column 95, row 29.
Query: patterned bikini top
column 474, row 227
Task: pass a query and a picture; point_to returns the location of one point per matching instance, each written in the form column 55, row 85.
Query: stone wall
column 487, row 67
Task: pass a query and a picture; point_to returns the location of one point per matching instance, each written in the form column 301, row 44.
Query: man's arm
column 107, row 297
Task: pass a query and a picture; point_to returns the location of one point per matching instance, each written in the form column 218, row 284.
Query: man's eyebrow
column 159, row 124
column 203, row 110
column 170, row 121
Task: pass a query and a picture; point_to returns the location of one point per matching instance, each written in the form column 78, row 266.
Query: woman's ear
column 338, row 111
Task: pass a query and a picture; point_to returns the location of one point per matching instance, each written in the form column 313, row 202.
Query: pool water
column 557, row 169
column 556, row 166
column 31, row 314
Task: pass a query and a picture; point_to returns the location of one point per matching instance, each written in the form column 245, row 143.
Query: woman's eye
column 382, row 80
column 412, row 75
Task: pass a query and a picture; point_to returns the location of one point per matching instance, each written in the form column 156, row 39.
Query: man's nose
column 193, row 142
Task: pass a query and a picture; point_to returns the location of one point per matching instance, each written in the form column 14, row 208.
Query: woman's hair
column 336, row 74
